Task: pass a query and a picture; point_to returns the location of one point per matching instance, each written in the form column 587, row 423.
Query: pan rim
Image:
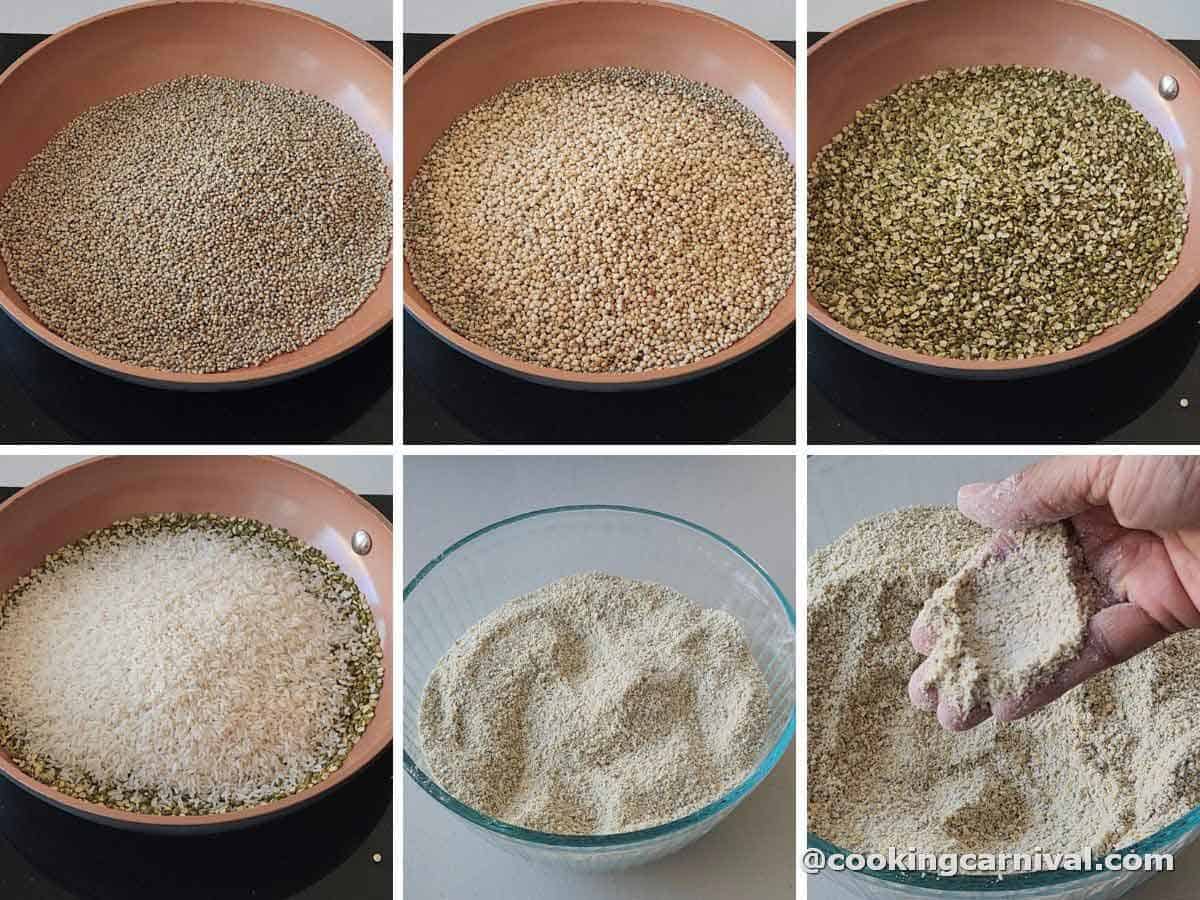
column 233, row 379
column 981, row 369
column 246, row 816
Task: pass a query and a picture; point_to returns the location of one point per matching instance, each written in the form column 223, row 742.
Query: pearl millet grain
column 201, row 225
column 606, row 220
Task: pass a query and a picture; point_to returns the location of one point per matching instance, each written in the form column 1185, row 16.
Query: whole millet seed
column 606, row 220
column 201, row 225
column 994, row 212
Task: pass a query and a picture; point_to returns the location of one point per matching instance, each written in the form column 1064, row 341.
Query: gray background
column 751, row 501
column 773, row 19
column 363, row 474
column 1170, row 18
column 843, row 490
column 369, row 19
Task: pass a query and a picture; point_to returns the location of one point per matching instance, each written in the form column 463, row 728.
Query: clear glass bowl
column 515, row 556
column 1060, row 885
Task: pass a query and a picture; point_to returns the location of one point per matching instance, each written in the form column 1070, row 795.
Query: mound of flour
column 1111, row 762
column 595, row 705
column 1011, row 618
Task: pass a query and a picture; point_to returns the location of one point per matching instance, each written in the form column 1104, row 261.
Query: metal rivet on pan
column 361, row 543
column 1168, row 86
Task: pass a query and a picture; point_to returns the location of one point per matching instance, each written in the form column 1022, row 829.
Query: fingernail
column 971, row 492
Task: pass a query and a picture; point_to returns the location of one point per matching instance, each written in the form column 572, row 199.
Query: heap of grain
column 595, row 705
column 606, row 220
column 201, row 225
column 999, row 212
column 1111, row 762
column 185, row 665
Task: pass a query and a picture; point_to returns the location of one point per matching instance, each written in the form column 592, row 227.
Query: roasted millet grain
column 996, row 212
column 201, row 225
column 606, row 220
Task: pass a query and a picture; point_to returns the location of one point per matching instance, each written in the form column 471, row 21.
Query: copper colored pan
column 577, row 34
column 131, row 48
column 65, row 506
column 876, row 54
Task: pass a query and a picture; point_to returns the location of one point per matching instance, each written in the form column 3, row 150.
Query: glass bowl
column 1060, row 885
column 517, row 555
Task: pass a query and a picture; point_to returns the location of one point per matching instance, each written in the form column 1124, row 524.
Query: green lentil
column 994, row 212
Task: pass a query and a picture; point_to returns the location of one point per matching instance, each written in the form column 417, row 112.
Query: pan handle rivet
column 1168, row 87
column 361, row 543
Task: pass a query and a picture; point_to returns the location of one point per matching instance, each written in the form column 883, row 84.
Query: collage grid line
column 381, row 372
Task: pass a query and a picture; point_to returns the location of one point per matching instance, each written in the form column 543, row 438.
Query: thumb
column 1047, row 491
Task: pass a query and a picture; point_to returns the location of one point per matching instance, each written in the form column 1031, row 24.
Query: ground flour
column 1009, row 619
column 1111, row 762
column 595, row 705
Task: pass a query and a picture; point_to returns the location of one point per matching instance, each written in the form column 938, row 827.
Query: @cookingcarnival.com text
column 950, row 864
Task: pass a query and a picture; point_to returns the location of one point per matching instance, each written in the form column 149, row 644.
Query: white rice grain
column 178, row 668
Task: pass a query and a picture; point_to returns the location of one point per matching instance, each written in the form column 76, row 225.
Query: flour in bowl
column 595, row 705
column 1006, row 622
column 1111, row 762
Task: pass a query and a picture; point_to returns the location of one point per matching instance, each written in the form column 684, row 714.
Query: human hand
column 1138, row 523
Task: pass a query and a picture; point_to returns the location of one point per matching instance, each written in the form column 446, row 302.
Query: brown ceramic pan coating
column 68, row 504
column 134, row 47
column 555, row 37
column 876, row 54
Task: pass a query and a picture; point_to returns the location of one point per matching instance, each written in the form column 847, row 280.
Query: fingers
column 1143, row 571
column 1048, row 491
column 1159, row 493
column 1155, row 493
column 1140, row 567
column 954, row 719
column 1183, row 549
column 1114, row 635
column 922, row 638
column 923, row 694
